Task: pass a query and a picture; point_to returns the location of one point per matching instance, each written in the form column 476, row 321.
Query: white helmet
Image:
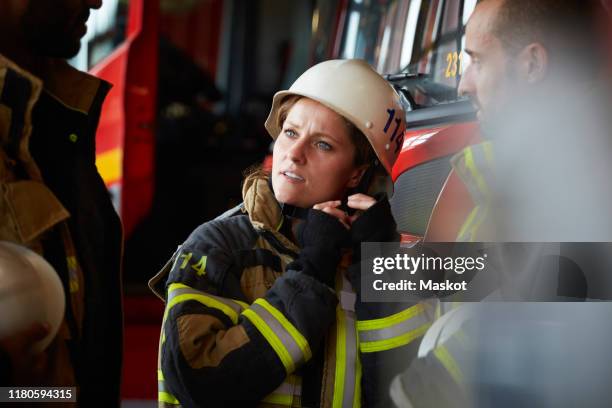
column 30, row 291
column 354, row 90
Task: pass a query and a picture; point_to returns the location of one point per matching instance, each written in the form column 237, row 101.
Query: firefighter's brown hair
column 568, row 29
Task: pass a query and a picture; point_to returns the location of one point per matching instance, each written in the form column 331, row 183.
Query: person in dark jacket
column 55, row 202
column 263, row 304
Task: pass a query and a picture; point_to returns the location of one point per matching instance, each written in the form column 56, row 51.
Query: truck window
column 424, row 37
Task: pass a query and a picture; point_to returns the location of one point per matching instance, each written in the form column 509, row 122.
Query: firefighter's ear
column 356, row 176
column 533, row 63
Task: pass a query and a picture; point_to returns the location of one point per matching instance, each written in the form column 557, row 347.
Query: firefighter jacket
column 250, row 321
column 475, row 166
column 53, row 201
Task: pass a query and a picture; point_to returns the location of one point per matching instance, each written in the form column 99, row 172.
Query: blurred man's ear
column 533, row 63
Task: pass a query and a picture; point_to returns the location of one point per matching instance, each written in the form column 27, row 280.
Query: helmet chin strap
column 292, row 211
column 289, row 210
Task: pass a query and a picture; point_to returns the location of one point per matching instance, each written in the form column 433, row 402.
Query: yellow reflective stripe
column 286, row 400
column 288, row 393
column 340, row 358
column 447, row 360
column 160, row 375
column 388, row 344
column 347, row 375
column 200, row 297
column 167, row 398
column 206, row 301
column 272, row 339
column 468, row 222
column 280, row 224
column 241, row 303
column 229, row 302
column 357, row 399
column 385, row 322
column 393, row 331
column 471, row 165
column 297, row 336
column 479, row 221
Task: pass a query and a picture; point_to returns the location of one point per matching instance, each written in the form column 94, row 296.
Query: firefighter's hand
column 331, row 208
column 361, row 203
column 26, row 366
column 373, row 221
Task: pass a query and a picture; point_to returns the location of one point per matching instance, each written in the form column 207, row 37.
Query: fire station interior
column 193, row 85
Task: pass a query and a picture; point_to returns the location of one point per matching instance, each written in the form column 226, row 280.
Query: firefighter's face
column 488, row 79
column 314, row 156
column 54, row 28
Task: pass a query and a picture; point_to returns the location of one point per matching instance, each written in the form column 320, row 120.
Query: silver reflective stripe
column 161, row 386
column 289, row 389
column 351, row 360
column 396, row 330
column 351, row 363
column 347, row 300
column 236, row 307
column 288, row 393
column 285, row 337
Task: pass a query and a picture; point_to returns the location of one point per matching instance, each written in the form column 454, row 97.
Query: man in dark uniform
column 54, row 201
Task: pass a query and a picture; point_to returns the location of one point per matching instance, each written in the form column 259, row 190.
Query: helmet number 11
column 398, row 121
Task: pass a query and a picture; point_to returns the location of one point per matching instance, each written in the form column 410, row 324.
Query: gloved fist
column 375, row 223
column 322, row 229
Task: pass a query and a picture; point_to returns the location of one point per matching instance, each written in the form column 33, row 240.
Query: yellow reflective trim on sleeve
column 167, row 398
column 449, row 363
column 297, row 336
column 241, row 303
column 357, row 399
column 384, row 322
column 286, row 400
column 177, row 285
column 203, row 299
column 478, row 223
column 160, row 375
column 388, row 344
column 340, row 359
column 471, row 165
column 206, row 301
column 468, row 222
column 272, row 339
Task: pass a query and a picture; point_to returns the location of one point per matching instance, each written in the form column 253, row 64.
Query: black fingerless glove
column 322, row 229
column 322, row 238
column 376, row 224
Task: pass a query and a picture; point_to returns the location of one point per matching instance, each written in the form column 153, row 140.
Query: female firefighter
column 263, row 304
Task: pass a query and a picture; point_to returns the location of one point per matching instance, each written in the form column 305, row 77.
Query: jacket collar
column 74, row 89
column 264, row 211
